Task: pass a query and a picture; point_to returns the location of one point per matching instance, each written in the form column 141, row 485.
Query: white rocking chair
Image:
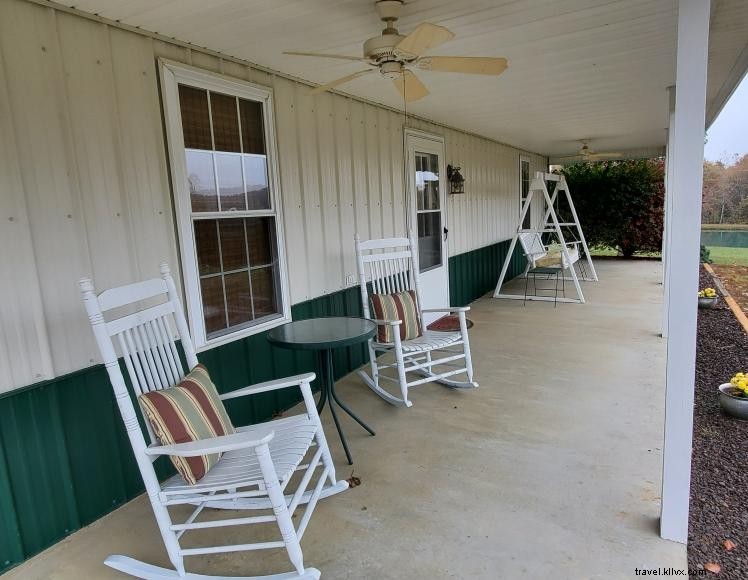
column 390, row 265
column 258, row 461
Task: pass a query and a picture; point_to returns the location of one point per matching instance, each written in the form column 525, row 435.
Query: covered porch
column 552, row 468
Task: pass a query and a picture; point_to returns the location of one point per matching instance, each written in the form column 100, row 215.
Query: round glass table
column 323, row 335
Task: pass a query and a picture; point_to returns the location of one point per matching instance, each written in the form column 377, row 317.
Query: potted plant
column 707, row 298
column 733, row 396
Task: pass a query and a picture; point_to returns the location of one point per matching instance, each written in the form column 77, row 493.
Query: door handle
column 446, row 234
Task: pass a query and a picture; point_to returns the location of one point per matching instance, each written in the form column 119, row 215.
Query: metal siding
column 473, row 274
column 84, row 158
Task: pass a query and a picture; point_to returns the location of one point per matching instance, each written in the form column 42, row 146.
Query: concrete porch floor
column 551, row 469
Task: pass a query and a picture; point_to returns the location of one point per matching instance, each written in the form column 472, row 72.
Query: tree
column 725, row 191
column 620, row 203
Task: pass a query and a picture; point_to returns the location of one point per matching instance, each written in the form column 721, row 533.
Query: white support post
column 668, row 199
column 687, row 155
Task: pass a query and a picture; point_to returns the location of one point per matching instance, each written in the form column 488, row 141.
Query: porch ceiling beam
column 686, row 151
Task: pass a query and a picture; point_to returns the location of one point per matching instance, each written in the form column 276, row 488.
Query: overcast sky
column 729, row 133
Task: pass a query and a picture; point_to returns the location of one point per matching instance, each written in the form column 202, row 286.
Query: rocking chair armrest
column 273, row 385
column 456, row 309
column 222, row 444
column 386, row 322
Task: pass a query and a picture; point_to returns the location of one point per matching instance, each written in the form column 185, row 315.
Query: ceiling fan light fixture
column 391, row 70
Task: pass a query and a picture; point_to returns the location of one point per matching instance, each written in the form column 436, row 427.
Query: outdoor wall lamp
column 456, row 180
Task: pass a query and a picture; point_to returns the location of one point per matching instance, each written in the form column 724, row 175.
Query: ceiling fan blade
column 424, row 37
column 340, row 81
column 320, row 55
column 474, row 65
column 410, row 87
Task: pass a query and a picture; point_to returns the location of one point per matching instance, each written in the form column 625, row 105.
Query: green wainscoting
column 474, row 273
column 64, row 457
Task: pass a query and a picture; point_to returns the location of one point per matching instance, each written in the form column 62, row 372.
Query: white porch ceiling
column 593, row 69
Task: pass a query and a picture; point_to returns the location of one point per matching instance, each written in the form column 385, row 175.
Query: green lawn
column 738, row 227
column 728, row 256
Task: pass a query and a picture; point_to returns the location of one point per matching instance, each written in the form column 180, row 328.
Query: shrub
column 705, row 255
column 620, row 203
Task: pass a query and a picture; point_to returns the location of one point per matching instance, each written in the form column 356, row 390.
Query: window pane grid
column 227, row 169
column 255, row 259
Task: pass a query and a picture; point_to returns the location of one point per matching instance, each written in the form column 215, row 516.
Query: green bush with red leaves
column 620, row 203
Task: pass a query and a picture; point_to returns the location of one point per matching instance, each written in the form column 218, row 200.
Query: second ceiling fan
column 393, row 55
column 588, row 154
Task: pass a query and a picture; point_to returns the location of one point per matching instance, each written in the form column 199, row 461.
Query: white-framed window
column 524, row 189
column 222, row 150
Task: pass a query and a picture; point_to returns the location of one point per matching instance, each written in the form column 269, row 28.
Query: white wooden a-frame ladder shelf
column 535, row 250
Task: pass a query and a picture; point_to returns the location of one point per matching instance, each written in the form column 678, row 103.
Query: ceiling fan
column 588, row 154
column 393, row 55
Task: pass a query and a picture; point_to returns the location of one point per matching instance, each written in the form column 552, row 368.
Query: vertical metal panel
column 38, row 108
column 22, row 329
column 291, row 185
column 84, row 155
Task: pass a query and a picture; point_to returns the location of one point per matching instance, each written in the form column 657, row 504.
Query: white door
column 427, row 186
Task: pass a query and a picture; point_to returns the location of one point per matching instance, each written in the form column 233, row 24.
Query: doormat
column 449, row 323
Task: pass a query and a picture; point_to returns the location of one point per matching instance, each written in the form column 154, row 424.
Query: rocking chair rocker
column 390, row 265
column 257, row 462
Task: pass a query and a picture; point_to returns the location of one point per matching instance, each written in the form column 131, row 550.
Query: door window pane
column 524, row 184
column 230, row 184
column 427, row 181
column 225, row 123
column 256, row 178
column 193, row 104
column 429, row 240
column 202, row 181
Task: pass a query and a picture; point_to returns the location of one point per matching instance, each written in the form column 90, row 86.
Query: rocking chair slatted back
column 145, row 339
column 390, row 266
column 150, row 354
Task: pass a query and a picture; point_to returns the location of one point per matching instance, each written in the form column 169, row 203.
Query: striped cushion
column 190, row 411
column 401, row 306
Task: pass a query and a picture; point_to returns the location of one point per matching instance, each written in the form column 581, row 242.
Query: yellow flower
column 740, row 381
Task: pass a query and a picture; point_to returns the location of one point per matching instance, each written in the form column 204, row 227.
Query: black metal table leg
column 322, row 392
column 329, row 396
